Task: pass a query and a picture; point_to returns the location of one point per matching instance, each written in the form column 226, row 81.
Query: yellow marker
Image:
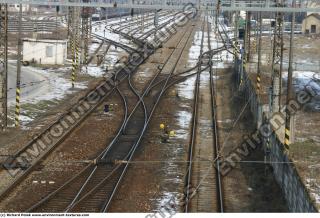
column 162, row 126
column 172, row 133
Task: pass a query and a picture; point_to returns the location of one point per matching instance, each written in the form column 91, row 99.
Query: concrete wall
column 38, row 51
column 294, row 190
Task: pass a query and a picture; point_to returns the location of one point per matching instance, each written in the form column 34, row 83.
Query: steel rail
column 193, row 128
column 120, row 45
column 216, row 143
column 29, row 169
column 131, row 153
column 51, row 195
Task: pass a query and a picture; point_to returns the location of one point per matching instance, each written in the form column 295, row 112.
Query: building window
column 313, row 29
column 49, row 51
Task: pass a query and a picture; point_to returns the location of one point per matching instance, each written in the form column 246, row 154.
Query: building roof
column 316, row 15
column 45, row 40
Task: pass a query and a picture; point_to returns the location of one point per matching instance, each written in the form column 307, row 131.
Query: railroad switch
column 105, row 162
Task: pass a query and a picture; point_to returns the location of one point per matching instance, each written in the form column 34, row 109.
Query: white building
column 45, row 51
column 16, row 8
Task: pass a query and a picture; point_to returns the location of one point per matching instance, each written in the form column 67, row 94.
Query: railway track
column 120, row 45
column 206, row 197
column 93, row 189
column 130, row 35
column 23, row 161
column 148, row 19
column 216, row 145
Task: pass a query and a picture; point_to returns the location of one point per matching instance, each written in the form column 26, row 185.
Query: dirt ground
column 84, row 144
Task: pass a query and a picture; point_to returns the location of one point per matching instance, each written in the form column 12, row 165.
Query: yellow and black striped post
column 86, row 42
column 74, row 64
column 259, row 54
column 85, row 35
column 258, row 83
column 77, row 49
column 236, row 50
column 17, row 112
column 75, row 46
column 244, row 68
column 287, row 136
column 19, row 59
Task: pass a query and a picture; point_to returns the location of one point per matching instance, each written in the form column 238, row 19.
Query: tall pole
column 277, row 60
column 143, row 21
column 3, row 64
column 86, row 17
column 85, row 34
column 19, row 59
column 259, row 46
column 236, row 32
column 75, row 44
column 156, row 22
column 70, row 27
column 248, row 36
column 57, row 38
column 288, row 129
column 236, row 50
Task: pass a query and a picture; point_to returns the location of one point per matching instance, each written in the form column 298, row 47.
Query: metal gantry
column 3, row 64
column 277, row 60
column 226, row 5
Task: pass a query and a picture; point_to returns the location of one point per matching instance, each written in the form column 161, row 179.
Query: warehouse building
column 45, row 51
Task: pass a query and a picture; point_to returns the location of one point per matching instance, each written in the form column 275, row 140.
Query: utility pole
column 247, row 39
column 85, row 34
column 19, row 59
column 259, row 46
column 236, row 43
column 142, row 21
column 57, row 38
column 156, row 23
column 3, row 64
column 70, row 27
column 277, row 60
column 289, row 118
column 75, row 41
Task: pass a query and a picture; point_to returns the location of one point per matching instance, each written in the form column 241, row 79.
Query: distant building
column 311, row 24
column 45, row 51
column 16, row 8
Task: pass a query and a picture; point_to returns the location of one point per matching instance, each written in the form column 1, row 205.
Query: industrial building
column 45, row 51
